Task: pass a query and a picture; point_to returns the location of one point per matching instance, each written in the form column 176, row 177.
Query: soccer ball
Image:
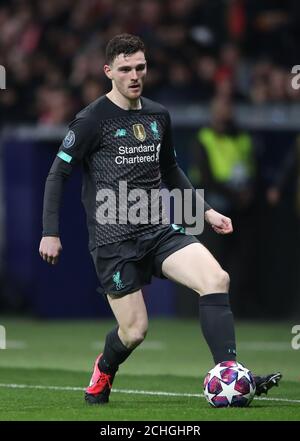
column 229, row 384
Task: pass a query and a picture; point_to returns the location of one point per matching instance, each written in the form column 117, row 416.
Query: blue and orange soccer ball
column 229, row 384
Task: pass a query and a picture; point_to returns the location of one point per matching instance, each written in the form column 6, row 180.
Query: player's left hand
column 219, row 223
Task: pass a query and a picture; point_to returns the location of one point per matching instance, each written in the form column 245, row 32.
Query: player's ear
column 107, row 71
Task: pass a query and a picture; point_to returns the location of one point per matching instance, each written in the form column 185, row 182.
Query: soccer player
column 123, row 136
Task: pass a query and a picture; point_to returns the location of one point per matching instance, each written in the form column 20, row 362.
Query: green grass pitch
column 47, row 365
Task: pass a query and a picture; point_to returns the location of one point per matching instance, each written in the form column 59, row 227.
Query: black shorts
column 125, row 267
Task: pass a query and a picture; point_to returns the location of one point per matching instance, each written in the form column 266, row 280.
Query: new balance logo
column 120, row 133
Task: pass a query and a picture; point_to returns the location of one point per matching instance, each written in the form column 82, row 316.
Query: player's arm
column 79, row 141
column 174, row 177
column 50, row 246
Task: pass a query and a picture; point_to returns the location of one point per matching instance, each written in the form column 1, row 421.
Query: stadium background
column 240, row 51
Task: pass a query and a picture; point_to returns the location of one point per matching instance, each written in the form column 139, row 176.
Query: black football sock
column 115, row 352
column 218, row 326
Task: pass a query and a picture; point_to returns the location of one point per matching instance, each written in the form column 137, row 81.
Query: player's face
column 127, row 73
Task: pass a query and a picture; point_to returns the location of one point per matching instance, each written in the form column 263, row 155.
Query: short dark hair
column 126, row 44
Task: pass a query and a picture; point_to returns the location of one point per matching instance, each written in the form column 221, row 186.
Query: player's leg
column 131, row 315
column 195, row 267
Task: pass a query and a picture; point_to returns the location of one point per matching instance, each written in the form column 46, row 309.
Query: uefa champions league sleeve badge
column 69, row 139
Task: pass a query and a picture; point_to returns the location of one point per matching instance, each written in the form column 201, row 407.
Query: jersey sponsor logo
column 120, row 133
column 139, row 132
column 117, row 280
column 154, row 130
column 126, row 154
column 69, row 139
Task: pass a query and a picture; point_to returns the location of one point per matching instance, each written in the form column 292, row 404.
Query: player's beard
column 135, row 91
column 129, row 93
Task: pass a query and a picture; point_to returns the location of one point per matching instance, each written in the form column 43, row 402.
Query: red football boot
column 100, row 385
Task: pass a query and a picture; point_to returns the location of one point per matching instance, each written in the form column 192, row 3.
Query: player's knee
column 218, row 281
column 222, row 281
column 136, row 335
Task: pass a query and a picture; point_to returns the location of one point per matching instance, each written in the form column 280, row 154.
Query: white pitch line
column 128, row 391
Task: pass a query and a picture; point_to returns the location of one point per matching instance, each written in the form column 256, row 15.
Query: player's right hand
column 50, row 249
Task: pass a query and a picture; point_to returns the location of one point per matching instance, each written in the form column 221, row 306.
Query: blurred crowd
column 53, row 52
